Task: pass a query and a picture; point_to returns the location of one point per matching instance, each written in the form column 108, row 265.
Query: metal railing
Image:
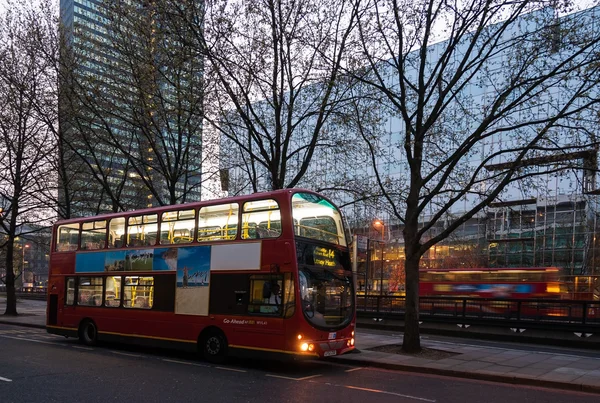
column 571, row 315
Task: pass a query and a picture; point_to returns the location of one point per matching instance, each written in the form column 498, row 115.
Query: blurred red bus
column 525, row 282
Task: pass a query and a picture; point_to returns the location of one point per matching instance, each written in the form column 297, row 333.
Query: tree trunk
column 412, row 337
column 11, row 296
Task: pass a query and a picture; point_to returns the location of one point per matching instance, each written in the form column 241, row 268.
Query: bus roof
column 232, row 199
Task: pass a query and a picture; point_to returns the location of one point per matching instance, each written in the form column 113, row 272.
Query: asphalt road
column 38, row 367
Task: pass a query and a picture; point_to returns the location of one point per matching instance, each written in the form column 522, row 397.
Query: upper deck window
column 116, row 232
column 93, row 235
column 67, row 237
column 218, row 222
column 177, row 226
column 316, row 218
column 141, row 230
column 261, row 219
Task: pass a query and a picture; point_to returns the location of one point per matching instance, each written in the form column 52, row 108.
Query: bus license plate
column 329, row 353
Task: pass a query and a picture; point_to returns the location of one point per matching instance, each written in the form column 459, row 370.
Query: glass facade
column 87, row 31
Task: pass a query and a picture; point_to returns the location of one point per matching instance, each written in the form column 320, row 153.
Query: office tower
column 131, row 109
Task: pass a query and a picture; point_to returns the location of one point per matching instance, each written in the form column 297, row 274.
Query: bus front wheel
column 88, row 333
column 214, row 346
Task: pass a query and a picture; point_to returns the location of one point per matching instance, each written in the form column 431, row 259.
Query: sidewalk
column 527, row 367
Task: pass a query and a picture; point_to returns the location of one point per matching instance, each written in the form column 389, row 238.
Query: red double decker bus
column 526, row 282
column 267, row 274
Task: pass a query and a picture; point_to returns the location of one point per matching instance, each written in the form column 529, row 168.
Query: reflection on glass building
column 546, row 219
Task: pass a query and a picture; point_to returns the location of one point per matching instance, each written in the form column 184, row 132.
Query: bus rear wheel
column 214, row 346
column 88, row 333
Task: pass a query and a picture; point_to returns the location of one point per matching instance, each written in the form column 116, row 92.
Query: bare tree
column 26, row 86
column 132, row 110
column 274, row 93
column 483, row 93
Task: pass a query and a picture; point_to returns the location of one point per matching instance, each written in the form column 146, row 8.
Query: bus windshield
column 327, row 300
column 316, row 218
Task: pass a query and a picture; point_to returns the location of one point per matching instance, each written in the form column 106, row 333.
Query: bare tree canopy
column 28, row 113
column 275, row 86
column 482, row 94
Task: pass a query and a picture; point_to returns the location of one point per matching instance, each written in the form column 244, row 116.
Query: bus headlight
column 352, row 341
column 304, row 347
column 311, row 347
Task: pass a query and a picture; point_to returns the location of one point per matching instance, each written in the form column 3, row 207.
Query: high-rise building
column 123, row 100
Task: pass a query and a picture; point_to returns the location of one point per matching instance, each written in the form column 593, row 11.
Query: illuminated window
column 67, row 237
column 116, row 233
column 261, row 219
column 112, row 292
column 266, row 296
column 138, row 292
column 93, row 235
column 89, row 292
column 141, row 230
column 218, row 222
column 177, row 227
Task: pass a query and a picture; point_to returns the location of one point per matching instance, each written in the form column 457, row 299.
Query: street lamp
column 23, row 266
column 380, row 224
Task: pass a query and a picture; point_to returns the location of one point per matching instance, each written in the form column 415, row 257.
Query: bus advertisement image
column 266, row 275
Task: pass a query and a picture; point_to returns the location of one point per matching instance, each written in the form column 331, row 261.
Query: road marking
column 231, row 369
column 292, row 379
column 34, row 341
column 354, row 369
column 5, row 379
column 389, row 393
column 127, row 354
column 187, row 363
column 83, row 348
column 307, row 377
column 282, row 377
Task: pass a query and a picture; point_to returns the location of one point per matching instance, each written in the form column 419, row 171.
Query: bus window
column 112, row 293
column 67, row 237
column 316, row 218
column 177, row 227
column 70, row 289
column 218, row 222
column 266, row 294
column 261, row 219
column 141, row 230
column 89, row 291
column 93, row 235
column 138, row 292
column 321, row 228
column 116, row 232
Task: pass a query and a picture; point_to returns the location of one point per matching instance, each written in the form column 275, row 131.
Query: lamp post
column 23, row 266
